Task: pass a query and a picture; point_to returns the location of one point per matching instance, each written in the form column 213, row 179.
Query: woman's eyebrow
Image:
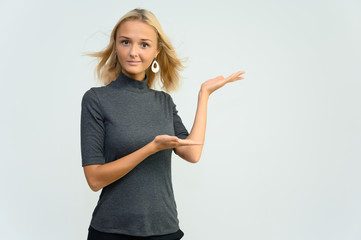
column 143, row 39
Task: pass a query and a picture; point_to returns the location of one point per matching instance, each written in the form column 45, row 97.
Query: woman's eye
column 124, row 41
column 145, row 45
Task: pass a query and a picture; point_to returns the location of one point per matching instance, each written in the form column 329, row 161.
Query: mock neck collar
column 128, row 83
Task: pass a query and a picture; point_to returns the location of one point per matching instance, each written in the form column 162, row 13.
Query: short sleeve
column 91, row 130
column 179, row 128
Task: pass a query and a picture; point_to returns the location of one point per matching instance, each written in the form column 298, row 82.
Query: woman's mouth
column 133, row 62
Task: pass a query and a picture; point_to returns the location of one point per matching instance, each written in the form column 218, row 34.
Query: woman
column 128, row 132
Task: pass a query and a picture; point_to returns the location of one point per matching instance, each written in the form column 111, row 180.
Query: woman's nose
column 134, row 51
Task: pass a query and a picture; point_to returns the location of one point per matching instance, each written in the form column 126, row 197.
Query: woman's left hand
column 213, row 84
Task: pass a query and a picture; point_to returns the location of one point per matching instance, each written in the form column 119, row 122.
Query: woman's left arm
column 193, row 153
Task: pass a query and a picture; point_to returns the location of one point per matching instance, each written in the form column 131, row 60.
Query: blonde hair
column 108, row 68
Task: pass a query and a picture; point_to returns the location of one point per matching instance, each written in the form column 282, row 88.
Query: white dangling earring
column 155, row 69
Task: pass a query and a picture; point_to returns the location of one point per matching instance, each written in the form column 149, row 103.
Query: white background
column 282, row 153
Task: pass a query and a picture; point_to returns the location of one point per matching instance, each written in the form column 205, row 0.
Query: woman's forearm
column 193, row 153
column 99, row 176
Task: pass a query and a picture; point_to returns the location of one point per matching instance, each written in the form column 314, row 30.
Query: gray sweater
column 117, row 120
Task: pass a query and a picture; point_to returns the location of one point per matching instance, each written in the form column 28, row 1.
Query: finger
column 235, row 79
column 172, row 138
column 175, row 138
column 194, row 143
column 235, row 74
column 238, row 78
column 239, row 73
column 231, row 77
column 190, row 142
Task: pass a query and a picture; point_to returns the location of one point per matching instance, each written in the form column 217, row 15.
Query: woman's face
column 136, row 45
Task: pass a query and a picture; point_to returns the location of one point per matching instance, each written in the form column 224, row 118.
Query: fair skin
column 136, row 47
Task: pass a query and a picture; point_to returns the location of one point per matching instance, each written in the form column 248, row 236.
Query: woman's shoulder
column 168, row 98
column 91, row 92
column 162, row 93
column 93, row 95
column 97, row 91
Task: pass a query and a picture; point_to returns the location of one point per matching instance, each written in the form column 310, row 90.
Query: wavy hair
column 108, row 68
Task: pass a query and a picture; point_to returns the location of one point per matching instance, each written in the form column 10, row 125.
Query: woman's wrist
column 151, row 148
column 203, row 93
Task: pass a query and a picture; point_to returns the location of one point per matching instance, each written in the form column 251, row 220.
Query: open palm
column 166, row 141
column 213, row 84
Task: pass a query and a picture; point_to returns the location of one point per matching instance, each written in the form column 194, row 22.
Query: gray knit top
column 117, row 120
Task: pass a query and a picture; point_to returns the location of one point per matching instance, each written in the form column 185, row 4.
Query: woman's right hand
column 162, row 142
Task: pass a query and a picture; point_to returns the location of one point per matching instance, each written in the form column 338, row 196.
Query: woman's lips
column 133, row 62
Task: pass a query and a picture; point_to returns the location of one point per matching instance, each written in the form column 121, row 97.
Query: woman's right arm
column 100, row 175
